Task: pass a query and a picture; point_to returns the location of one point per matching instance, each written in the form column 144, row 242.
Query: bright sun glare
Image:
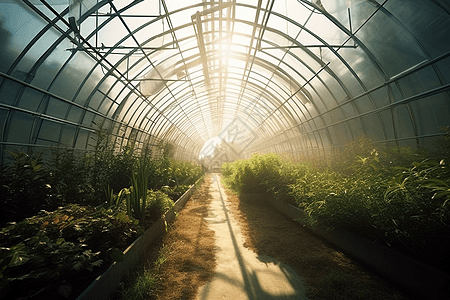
column 209, row 146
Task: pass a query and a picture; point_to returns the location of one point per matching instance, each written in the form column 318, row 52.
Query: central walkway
column 240, row 273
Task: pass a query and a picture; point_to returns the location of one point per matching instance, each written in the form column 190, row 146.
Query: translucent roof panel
column 295, row 76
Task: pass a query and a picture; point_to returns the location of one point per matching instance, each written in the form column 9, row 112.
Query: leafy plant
column 142, row 287
column 384, row 194
column 158, row 204
column 115, row 201
column 70, row 177
column 137, row 197
column 144, row 283
column 49, row 249
column 25, row 187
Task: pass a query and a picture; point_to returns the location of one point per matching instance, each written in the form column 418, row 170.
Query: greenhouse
column 110, row 110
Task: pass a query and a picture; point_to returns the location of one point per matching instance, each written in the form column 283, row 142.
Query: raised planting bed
column 105, row 284
column 417, row 278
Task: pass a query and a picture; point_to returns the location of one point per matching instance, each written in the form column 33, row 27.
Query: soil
column 191, row 260
column 188, row 248
column 327, row 272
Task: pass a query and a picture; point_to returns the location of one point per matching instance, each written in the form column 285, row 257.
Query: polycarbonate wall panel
column 426, row 22
column 9, row 91
column 391, row 45
column 72, row 76
column 3, row 115
column 16, row 32
column 20, row 128
column 32, row 100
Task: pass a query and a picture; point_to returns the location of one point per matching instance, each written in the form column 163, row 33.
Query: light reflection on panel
column 257, row 86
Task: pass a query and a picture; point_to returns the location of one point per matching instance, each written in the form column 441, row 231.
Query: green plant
column 144, row 283
column 25, row 187
column 137, row 197
column 70, row 177
column 142, row 287
column 115, row 201
column 158, row 204
column 384, row 194
column 47, row 250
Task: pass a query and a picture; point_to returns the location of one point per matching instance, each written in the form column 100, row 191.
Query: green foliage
column 115, row 201
column 394, row 195
column 25, row 187
column 29, row 184
column 137, row 197
column 143, row 284
column 262, row 174
column 442, row 145
column 109, row 166
column 158, row 204
column 44, row 250
column 142, row 287
column 70, row 177
column 172, row 173
column 249, row 176
column 175, row 192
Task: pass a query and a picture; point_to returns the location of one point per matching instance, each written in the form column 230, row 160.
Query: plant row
column 69, row 217
column 30, row 183
column 394, row 196
column 51, row 252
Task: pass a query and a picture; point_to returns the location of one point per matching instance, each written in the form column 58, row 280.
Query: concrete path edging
column 105, row 285
column 414, row 276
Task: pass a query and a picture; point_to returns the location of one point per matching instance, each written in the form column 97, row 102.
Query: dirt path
column 190, row 260
column 225, row 247
column 241, row 273
column 179, row 262
column 328, row 273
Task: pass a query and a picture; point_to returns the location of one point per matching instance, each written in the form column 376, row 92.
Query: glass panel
column 49, row 131
column 51, row 66
column 81, row 139
column 89, row 85
column 57, row 108
column 68, row 135
column 402, row 120
column 21, row 128
column 96, row 100
column 88, row 118
column 3, row 115
column 68, row 81
column 17, row 27
column 31, row 99
column 425, row 22
column 74, row 114
column 391, row 45
column 9, row 91
column 36, row 51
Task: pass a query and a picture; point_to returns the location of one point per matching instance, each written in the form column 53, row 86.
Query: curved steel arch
column 255, row 88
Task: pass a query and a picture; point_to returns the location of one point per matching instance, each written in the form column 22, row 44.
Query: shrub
column 385, row 194
column 25, row 187
column 50, row 250
column 158, row 204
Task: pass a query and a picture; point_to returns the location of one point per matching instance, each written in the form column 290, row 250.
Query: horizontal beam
column 309, row 46
column 157, row 79
column 119, row 48
column 125, row 16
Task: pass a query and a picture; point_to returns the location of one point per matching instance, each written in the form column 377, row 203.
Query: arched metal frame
column 296, row 77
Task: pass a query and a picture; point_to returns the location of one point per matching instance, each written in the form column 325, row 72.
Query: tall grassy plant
column 25, row 187
column 137, row 198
